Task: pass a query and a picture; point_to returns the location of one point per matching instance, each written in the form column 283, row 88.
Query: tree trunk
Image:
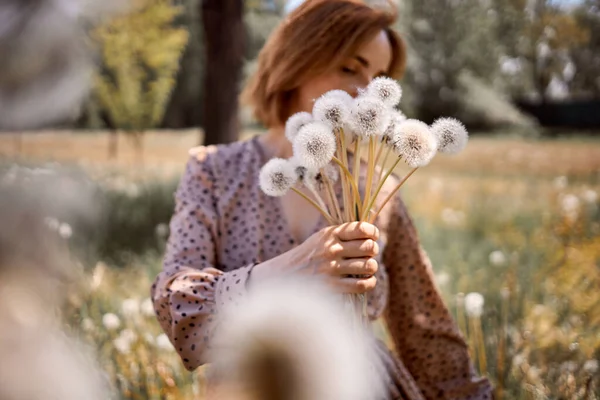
column 224, row 34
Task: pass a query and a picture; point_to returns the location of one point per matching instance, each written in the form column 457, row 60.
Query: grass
column 513, row 220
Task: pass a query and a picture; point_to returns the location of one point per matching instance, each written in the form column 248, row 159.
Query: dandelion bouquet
column 368, row 123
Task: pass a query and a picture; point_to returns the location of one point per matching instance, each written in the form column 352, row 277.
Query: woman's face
column 370, row 61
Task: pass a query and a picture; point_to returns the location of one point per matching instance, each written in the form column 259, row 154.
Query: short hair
column 317, row 35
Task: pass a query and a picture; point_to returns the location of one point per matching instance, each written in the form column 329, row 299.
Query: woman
column 226, row 233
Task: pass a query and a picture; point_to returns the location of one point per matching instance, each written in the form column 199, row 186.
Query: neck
column 276, row 144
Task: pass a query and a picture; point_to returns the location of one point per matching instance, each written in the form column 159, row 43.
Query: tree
column 141, row 53
column 224, row 33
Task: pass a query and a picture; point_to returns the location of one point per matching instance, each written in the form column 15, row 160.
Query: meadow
column 513, row 222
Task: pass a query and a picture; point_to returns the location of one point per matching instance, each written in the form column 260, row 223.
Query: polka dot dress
column 224, row 225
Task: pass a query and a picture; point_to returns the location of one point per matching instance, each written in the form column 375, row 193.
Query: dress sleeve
column 190, row 289
column 424, row 333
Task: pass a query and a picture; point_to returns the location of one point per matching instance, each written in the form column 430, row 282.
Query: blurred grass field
column 515, row 220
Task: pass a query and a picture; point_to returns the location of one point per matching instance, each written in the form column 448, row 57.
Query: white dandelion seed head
column 497, row 258
column 111, row 321
column 474, row 304
column 65, row 231
column 415, row 143
column 451, row 135
column 314, row 145
column 277, row 176
column 340, row 94
column 332, row 110
column 295, row 122
column 385, row 89
column 130, row 308
column 163, row 343
column 590, row 196
column 570, row 206
column 369, row 116
column 396, row 118
column 147, row 307
column 590, row 366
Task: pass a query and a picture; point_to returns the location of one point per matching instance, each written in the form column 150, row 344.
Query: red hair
column 315, row 37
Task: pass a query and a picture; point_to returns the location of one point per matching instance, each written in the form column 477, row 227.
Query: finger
column 357, row 266
column 358, row 249
column 356, row 285
column 357, row 231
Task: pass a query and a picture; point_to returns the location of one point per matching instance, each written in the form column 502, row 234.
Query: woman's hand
column 334, row 253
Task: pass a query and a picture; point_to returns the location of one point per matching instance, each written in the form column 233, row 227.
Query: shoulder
column 223, row 158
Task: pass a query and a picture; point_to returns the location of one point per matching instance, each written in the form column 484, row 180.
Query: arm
column 425, row 335
column 190, row 289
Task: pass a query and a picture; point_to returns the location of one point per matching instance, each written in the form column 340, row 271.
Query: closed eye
column 349, row 71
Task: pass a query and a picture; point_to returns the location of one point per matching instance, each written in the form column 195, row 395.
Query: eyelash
column 348, row 71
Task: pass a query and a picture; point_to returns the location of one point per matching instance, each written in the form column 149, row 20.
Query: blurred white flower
column 163, row 343
column 451, row 135
column 98, row 275
column 277, row 176
column 474, row 304
column 590, row 196
column 161, row 230
column 505, row 293
column 130, row 308
column 87, row 324
column 111, row 321
column 591, row 366
column 442, row 278
column 568, row 366
column 124, row 341
column 452, row 217
column 574, row 346
column 149, row 338
column 560, row 182
column 147, row 307
column 497, row 258
column 570, row 206
column 518, row 360
column 65, row 231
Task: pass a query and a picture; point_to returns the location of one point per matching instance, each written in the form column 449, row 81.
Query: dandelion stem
column 381, row 183
column 332, row 197
column 370, row 173
column 343, row 156
column 480, row 346
column 381, row 145
column 353, row 183
column 318, row 197
column 311, row 201
column 388, row 150
column 392, row 193
column 356, row 171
